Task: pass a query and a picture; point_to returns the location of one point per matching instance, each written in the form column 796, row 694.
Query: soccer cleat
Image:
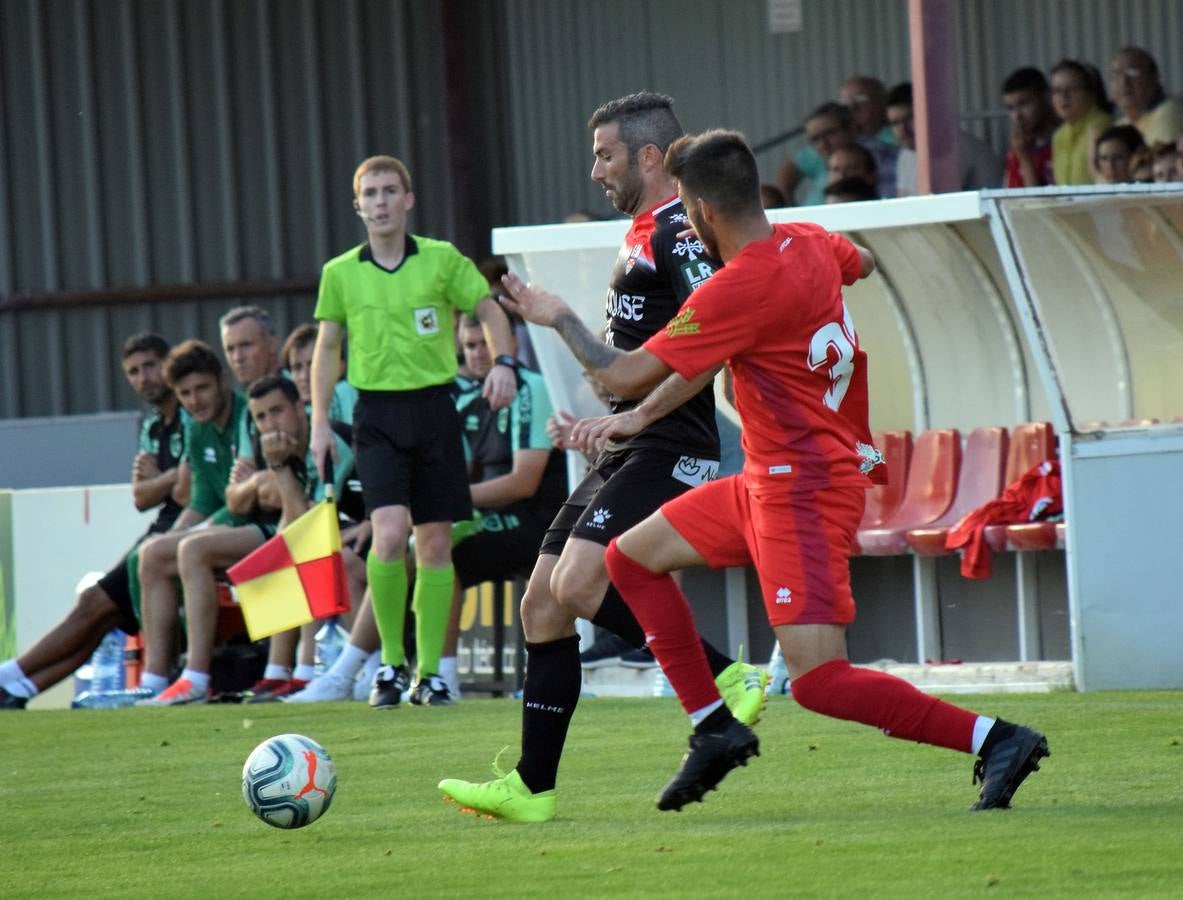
column 330, row 686
column 179, row 693
column 11, row 701
column 506, row 798
column 1008, row 764
column 279, row 691
column 606, row 651
column 389, row 684
column 742, row 687
column 710, row 757
column 431, row 691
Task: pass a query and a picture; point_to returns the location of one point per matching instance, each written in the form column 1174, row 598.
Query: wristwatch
column 505, row 359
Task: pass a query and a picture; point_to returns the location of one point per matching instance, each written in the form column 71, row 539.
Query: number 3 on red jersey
column 842, row 338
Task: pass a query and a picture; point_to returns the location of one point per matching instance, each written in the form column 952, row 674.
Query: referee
column 396, row 296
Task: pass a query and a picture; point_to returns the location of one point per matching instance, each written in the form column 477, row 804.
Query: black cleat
column 11, row 701
column 431, row 691
column 710, row 757
column 389, row 684
column 1008, row 764
column 606, row 651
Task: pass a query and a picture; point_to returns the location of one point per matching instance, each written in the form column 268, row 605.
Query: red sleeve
column 850, row 261
column 703, row 334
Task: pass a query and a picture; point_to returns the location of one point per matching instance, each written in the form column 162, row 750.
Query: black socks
column 554, row 679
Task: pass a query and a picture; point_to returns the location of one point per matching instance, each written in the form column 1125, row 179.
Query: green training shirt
column 211, row 452
column 400, row 322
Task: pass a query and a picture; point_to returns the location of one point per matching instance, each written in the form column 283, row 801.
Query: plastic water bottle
column 330, row 641
column 111, row 699
column 106, row 670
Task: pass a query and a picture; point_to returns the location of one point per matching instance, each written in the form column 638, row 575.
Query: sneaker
column 179, row 693
column 506, row 798
column 778, row 673
column 281, row 691
column 330, row 686
column 389, row 684
column 1008, row 764
column 641, row 658
column 261, row 689
column 742, row 687
column 606, row 651
column 431, row 691
column 12, row 701
column 710, row 757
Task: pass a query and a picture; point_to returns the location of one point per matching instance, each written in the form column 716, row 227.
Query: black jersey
column 166, row 442
column 654, row 274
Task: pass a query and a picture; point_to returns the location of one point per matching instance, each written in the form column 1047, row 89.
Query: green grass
column 147, row 803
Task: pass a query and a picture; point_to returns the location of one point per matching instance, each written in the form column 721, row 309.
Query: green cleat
column 502, row 798
column 741, row 685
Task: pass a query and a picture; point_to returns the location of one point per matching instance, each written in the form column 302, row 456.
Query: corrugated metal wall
column 211, row 142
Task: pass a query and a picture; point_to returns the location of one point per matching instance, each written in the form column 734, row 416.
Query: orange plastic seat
column 932, row 483
column 884, row 499
column 980, row 482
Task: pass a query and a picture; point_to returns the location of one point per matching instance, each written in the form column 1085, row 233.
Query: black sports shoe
column 641, row 658
column 1011, row 761
column 11, row 701
column 431, row 691
column 711, row 756
column 389, row 684
column 605, row 651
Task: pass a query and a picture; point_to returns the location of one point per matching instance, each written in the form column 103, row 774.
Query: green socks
column 432, row 604
column 388, row 587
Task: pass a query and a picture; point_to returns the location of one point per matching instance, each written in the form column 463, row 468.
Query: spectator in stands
column 979, row 165
column 297, row 356
column 772, row 197
column 1079, row 98
column 1032, row 121
column 281, row 424
column 1165, row 163
column 1118, row 150
column 854, row 161
column 866, row 97
column 109, row 603
column 850, row 190
column 828, row 128
column 493, row 267
column 1141, row 100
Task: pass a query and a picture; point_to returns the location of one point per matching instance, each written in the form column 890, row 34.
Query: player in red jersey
column 774, row 313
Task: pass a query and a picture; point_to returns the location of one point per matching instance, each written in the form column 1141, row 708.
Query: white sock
column 304, row 672
column 373, row 661
column 199, row 680
column 10, row 671
column 22, row 687
column 349, row 662
column 450, row 674
column 698, row 715
column 274, row 672
column 154, row 683
column 981, row 728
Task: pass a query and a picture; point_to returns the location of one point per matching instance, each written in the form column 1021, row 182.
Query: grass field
column 147, row 803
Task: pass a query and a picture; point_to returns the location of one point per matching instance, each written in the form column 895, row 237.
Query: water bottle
column 106, row 671
column 111, row 699
column 330, row 641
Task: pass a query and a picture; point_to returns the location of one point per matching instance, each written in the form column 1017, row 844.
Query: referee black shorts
column 409, row 452
column 622, row 488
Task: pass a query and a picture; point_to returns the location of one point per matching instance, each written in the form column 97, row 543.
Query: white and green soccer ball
column 288, row 781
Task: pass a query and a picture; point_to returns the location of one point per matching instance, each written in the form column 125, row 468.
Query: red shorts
column 800, row 544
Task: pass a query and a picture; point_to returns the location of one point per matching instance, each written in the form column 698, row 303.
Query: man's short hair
column 900, row 95
column 852, row 189
column 1027, row 78
column 719, row 167
column 240, row 313
column 643, row 118
column 146, row 342
column 833, row 110
column 381, row 164
column 261, row 387
column 189, row 357
column 301, row 336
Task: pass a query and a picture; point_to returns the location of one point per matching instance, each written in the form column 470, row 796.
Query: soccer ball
column 288, row 781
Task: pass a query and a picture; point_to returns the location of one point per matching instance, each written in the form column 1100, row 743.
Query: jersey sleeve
column 466, row 286
column 330, row 299
column 707, row 330
column 528, row 414
column 850, row 262
column 145, row 442
column 343, row 401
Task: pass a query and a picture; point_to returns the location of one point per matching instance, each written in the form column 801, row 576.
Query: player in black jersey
column 108, row 603
column 654, row 273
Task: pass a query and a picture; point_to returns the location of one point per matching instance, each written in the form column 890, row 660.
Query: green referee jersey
column 399, row 322
column 211, row 452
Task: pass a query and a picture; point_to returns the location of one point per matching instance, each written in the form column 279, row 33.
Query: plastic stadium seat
column 932, row 482
column 1035, row 536
column 1030, row 444
column 981, row 481
column 884, row 499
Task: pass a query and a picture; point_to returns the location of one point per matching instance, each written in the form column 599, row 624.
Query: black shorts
column 117, row 585
column 623, row 488
column 410, row 453
column 505, row 546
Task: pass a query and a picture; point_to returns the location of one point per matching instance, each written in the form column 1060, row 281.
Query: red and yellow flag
column 295, row 577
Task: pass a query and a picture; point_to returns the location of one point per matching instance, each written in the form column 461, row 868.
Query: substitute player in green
column 395, row 296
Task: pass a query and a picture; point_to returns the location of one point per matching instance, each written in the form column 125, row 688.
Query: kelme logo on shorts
column 681, row 324
column 600, row 518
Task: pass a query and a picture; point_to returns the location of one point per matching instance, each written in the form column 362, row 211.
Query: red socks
column 889, row 703
column 665, row 616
